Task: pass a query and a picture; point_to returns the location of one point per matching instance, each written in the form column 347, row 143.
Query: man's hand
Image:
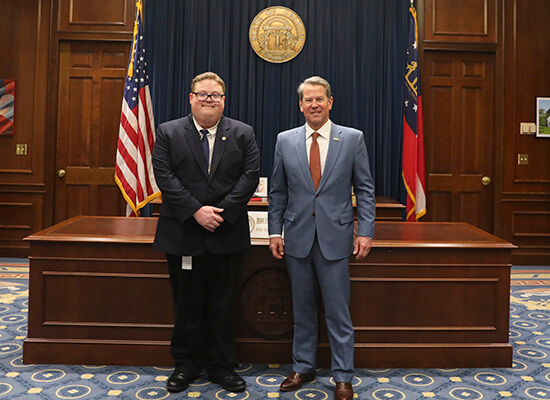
column 362, row 247
column 277, row 248
column 209, row 217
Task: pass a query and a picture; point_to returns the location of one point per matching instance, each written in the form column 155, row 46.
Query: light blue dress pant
column 310, row 277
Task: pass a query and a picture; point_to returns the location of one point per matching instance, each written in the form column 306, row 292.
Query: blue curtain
column 357, row 45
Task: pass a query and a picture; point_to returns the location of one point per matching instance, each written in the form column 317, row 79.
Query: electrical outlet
column 523, row 159
column 21, row 149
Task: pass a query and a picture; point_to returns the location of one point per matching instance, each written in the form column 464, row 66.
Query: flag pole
column 134, row 170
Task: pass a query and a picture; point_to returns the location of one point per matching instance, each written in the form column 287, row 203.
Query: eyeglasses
column 215, row 97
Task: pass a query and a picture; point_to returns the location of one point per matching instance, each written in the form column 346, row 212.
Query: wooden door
column 459, row 124
column 91, row 84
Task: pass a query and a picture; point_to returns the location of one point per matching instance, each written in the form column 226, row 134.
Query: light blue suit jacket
column 296, row 206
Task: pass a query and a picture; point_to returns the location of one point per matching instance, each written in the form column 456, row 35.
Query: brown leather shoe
column 344, row 391
column 295, row 381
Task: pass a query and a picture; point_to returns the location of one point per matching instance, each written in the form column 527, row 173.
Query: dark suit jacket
column 182, row 176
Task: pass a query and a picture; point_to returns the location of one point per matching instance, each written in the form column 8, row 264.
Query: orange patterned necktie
column 315, row 161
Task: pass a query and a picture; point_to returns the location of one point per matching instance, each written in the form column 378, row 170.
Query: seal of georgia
column 277, row 34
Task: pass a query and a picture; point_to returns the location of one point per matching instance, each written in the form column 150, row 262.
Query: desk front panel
column 109, row 302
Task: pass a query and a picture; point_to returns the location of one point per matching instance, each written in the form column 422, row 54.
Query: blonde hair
column 207, row 75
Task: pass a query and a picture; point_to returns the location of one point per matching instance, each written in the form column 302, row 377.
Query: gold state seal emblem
column 277, row 34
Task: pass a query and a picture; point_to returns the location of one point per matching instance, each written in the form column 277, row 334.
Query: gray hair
column 314, row 80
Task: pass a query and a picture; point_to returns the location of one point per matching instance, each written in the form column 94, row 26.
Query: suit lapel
column 301, row 155
column 193, row 140
column 222, row 136
column 335, row 144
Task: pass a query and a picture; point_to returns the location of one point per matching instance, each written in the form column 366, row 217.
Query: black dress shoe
column 228, row 379
column 179, row 381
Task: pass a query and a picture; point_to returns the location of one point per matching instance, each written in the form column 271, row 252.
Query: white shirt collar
column 212, row 130
column 324, row 131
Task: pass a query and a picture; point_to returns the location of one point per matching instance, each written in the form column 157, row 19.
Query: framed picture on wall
column 543, row 117
column 7, row 102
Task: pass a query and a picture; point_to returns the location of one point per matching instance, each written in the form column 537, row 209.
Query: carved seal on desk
column 277, row 34
column 266, row 302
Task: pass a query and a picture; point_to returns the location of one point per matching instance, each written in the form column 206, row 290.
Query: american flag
column 136, row 137
column 413, row 129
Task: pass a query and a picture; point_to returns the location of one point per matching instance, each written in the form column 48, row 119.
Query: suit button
column 313, row 215
column 209, row 190
column 316, row 196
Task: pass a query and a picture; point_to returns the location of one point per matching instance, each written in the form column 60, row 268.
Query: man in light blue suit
column 315, row 168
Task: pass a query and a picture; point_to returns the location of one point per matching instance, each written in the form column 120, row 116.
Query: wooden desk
column 388, row 209
column 428, row 295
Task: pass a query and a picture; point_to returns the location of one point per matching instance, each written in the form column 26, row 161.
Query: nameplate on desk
column 257, row 221
column 261, row 190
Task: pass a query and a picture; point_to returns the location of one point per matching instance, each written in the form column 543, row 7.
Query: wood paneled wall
column 469, row 118
column 483, row 64
column 24, row 31
column 470, row 21
column 34, row 33
column 525, row 207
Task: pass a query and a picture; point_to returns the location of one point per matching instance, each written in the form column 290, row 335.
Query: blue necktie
column 205, row 147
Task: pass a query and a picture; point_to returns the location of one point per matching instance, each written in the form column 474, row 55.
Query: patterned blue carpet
column 528, row 379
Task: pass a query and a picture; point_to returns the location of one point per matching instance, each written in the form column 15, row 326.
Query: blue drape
column 357, row 45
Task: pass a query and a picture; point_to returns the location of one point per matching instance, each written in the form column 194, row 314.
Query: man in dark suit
column 207, row 168
column 315, row 168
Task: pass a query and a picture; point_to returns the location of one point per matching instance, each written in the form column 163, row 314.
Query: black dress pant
column 204, row 304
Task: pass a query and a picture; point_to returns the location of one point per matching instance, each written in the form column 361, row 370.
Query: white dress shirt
column 211, row 136
column 323, row 140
